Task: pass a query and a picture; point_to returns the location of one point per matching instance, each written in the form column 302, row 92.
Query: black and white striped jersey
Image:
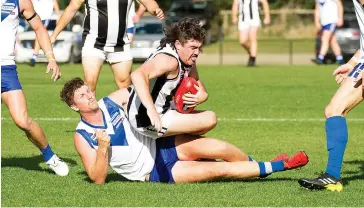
column 161, row 89
column 105, row 24
column 359, row 10
column 248, row 10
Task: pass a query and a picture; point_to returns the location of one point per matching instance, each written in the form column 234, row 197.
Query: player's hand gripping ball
column 186, row 86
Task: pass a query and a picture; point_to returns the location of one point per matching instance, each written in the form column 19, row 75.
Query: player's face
column 189, row 51
column 85, row 100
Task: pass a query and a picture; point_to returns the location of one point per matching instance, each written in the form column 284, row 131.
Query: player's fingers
column 189, row 102
column 191, row 106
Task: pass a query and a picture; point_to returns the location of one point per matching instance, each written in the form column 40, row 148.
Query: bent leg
column 197, row 122
column 244, row 39
column 92, row 65
column 122, row 72
column 325, row 40
column 188, row 148
column 336, row 49
column 253, row 41
column 195, row 171
column 15, row 101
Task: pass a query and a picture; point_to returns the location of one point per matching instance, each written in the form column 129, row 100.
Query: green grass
column 235, row 92
column 264, row 46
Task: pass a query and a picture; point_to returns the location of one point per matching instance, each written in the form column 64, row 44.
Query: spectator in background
column 328, row 16
column 44, row 8
column 246, row 14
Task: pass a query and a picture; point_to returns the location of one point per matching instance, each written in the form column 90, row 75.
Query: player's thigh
column 196, row 121
column 188, row 148
column 348, row 95
column 16, row 103
column 253, row 33
column 326, row 35
column 121, row 70
column 244, row 34
column 92, row 61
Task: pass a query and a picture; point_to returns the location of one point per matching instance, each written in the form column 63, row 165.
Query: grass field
column 265, row 46
column 257, row 108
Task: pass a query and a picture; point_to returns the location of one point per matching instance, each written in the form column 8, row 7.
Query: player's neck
column 95, row 118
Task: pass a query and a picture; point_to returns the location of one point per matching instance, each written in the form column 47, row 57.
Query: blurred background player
column 328, row 16
column 104, row 37
column 44, row 9
column 174, row 159
column 154, row 83
column 349, row 95
column 246, row 14
column 11, row 90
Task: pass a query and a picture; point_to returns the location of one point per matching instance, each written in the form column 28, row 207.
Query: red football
column 186, row 86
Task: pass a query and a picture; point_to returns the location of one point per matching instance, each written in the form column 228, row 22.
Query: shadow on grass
column 31, row 163
column 111, row 177
column 354, row 175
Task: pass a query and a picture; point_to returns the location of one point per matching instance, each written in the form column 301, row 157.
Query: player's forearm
column 56, row 7
column 98, row 170
column 266, row 9
column 66, row 17
column 340, row 9
column 234, row 10
column 44, row 42
column 150, row 5
column 317, row 16
column 141, row 86
column 141, row 10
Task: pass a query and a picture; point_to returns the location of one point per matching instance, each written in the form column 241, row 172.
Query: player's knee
column 211, row 120
column 333, row 110
column 24, row 123
column 244, row 42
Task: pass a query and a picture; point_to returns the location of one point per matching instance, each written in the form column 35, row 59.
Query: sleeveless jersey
column 328, row 11
column 161, row 89
column 248, row 10
column 10, row 11
column 130, row 153
column 359, row 10
column 44, row 8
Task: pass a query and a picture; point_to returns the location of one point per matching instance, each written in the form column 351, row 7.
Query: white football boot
column 58, row 166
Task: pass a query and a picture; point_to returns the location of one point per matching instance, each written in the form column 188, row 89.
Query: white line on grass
column 220, row 119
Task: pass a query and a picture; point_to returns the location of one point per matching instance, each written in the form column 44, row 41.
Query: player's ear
column 177, row 44
column 73, row 107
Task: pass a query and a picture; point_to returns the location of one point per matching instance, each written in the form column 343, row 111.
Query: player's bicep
column 87, row 153
column 159, row 65
column 120, row 96
column 29, row 14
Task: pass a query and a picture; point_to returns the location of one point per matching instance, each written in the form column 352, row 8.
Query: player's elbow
column 99, row 182
column 98, row 179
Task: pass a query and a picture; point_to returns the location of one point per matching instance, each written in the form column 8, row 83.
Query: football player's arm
column 317, row 17
column 56, row 8
column 94, row 161
column 160, row 65
column 340, row 10
column 120, row 97
column 139, row 13
column 66, row 17
column 266, row 11
column 153, row 8
column 201, row 95
column 27, row 10
column 234, row 11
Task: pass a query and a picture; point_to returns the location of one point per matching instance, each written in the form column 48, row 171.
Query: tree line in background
column 226, row 4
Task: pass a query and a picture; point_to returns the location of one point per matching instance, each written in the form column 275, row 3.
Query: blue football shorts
column 329, row 27
column 9, row 78
column 166, row 157
column 130, row 30
column 357, row 69
column 45, row 23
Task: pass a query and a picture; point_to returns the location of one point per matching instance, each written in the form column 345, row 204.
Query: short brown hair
column 69, row 89
column 185, row 29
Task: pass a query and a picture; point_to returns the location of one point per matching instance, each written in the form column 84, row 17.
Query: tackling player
column 105, row 138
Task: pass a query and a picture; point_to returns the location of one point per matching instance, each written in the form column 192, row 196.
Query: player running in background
column 155, row 82
column 44, row 9
column 349, row 94
column 105, row 138
column 245, row 13
column 11, row 90
column 104, row 37
column 328, row 16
